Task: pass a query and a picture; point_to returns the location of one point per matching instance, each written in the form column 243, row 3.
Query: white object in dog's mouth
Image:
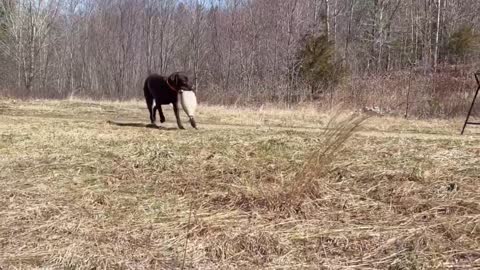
column 188, row 99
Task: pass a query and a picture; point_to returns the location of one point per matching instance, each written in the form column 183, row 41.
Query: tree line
column 237, row 51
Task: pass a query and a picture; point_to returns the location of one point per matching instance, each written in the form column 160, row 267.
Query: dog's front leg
column 177, row 115
column 192, row 122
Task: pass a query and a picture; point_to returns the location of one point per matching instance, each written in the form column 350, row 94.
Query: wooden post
column 471, row 106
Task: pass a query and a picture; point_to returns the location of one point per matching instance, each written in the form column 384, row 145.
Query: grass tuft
column 317, row 163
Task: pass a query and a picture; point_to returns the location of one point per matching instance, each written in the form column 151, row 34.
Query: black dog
column 165, row 90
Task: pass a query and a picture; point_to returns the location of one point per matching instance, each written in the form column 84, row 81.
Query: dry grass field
column 86, row 185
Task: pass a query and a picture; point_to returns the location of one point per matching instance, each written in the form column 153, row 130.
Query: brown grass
column 77, row 192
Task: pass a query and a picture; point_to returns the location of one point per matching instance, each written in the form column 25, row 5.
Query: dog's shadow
column 141, row 125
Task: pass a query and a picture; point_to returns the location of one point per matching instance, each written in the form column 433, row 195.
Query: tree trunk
column 437, row 34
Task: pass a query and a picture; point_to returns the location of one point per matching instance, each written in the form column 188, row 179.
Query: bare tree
column 28, row 25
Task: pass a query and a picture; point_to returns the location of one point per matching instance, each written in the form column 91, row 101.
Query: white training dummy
column 188, row 99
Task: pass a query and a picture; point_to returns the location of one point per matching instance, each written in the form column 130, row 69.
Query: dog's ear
column 177, row 80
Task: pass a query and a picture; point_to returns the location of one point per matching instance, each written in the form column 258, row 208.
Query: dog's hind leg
column 149, row 100
column 155, row 110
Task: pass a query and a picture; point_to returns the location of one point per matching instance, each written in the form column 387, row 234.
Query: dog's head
column 180, row 82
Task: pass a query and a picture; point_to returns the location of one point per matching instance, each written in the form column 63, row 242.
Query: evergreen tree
column 316, row 63
column 463, row 43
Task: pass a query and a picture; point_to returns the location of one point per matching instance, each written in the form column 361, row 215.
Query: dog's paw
column 193, row 123
column 162, row 120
